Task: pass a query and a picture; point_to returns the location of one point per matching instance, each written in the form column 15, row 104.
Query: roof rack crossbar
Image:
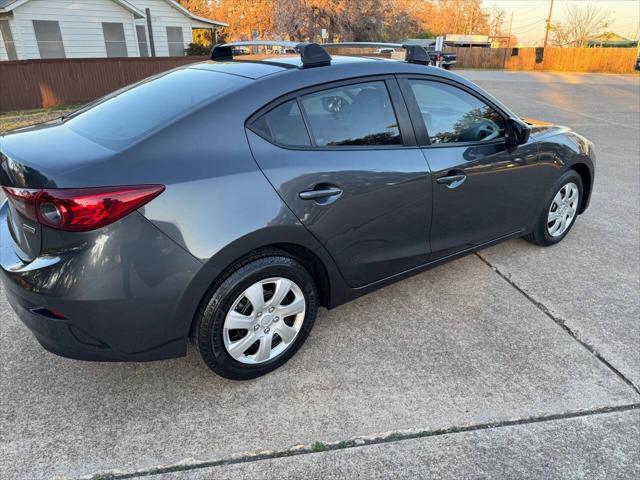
column 363, row 44
column 414, row 53
column 311, row 54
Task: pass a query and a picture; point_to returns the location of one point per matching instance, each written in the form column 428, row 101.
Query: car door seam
column 292, row 212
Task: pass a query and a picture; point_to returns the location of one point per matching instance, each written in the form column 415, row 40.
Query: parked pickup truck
column 446, row 58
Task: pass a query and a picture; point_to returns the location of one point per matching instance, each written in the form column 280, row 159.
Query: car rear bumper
column 64, row 338
column 113, row 298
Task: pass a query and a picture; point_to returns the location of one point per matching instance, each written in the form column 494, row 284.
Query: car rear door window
column 283, row 125
column 452, row 115
column 352, row 115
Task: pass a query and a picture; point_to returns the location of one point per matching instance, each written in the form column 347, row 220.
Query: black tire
column 540, row 234
column 447, row 67
column 208, row 332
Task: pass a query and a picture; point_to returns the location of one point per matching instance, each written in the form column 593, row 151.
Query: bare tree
column 345, row 20
column 496, row 18
column 400, row 25
column 581, row 23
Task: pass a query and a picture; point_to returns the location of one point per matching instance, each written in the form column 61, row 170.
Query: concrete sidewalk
column 509, row 361
column 595, row 447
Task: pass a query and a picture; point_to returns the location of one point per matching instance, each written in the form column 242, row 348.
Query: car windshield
column 127, row 115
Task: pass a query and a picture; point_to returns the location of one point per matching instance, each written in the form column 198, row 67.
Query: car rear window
column 127, row 115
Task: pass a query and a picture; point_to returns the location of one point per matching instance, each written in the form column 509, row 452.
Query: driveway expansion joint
column 560, row 322
column 354, row 442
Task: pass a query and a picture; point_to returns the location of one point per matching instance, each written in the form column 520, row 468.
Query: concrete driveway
column 515, row 362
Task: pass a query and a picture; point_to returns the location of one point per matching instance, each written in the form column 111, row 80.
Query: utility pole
column 506, row 50
column 638, row 40
column 546, row 33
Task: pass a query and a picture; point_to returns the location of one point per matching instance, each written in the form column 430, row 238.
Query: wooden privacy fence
column 45, row 83
column 601, row 60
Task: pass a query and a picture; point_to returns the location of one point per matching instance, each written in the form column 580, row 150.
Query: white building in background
column 96, row 28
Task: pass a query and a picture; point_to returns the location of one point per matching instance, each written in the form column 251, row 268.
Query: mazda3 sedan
column 225, row 201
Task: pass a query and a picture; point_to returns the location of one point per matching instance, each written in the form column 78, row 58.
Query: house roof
column 609, row 37
column 193, row 16
column 8, row 5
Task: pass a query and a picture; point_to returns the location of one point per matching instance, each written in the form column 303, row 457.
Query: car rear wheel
column 257, row 318
column 560, row 211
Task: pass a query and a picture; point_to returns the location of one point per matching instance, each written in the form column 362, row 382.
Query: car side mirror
column 517, row 132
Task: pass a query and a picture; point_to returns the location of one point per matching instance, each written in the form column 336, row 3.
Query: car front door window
column 452, row 115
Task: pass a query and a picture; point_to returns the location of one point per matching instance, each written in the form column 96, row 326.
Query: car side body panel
column 379, row 225
column 498, row 196
column 560, row 149
column 113, row 285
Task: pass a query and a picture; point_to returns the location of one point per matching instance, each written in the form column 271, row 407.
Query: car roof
column 262, row 66
column 282, row 74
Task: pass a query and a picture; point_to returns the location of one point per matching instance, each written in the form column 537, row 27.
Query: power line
column 535, row 7
column 523, row 32
column 531, row 24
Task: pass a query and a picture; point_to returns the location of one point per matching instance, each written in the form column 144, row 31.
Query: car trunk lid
column 36, row 158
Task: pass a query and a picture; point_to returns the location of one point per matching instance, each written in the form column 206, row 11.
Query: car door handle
column 320, row 193
column 452, row 181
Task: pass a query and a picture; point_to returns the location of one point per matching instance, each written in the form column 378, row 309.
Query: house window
column 143, row 46
column 176, row 41
column 49, row 39
column 9, row 45
column 114, row 39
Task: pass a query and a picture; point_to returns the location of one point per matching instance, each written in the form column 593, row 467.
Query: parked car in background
column 241, row 51
column 225, row 201
column 386, row 50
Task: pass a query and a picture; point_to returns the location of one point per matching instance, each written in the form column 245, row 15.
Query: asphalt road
column 517, row 362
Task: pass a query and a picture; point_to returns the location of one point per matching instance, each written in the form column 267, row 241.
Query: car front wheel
column 257, row 318
column 559, row 212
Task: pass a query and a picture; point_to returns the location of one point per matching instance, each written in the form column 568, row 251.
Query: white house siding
column 163, row 15
column 80, row 25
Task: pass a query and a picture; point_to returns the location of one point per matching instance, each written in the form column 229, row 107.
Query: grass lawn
column 24, row 118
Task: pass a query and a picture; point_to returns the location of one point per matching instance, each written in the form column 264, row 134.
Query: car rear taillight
column 80, row 209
